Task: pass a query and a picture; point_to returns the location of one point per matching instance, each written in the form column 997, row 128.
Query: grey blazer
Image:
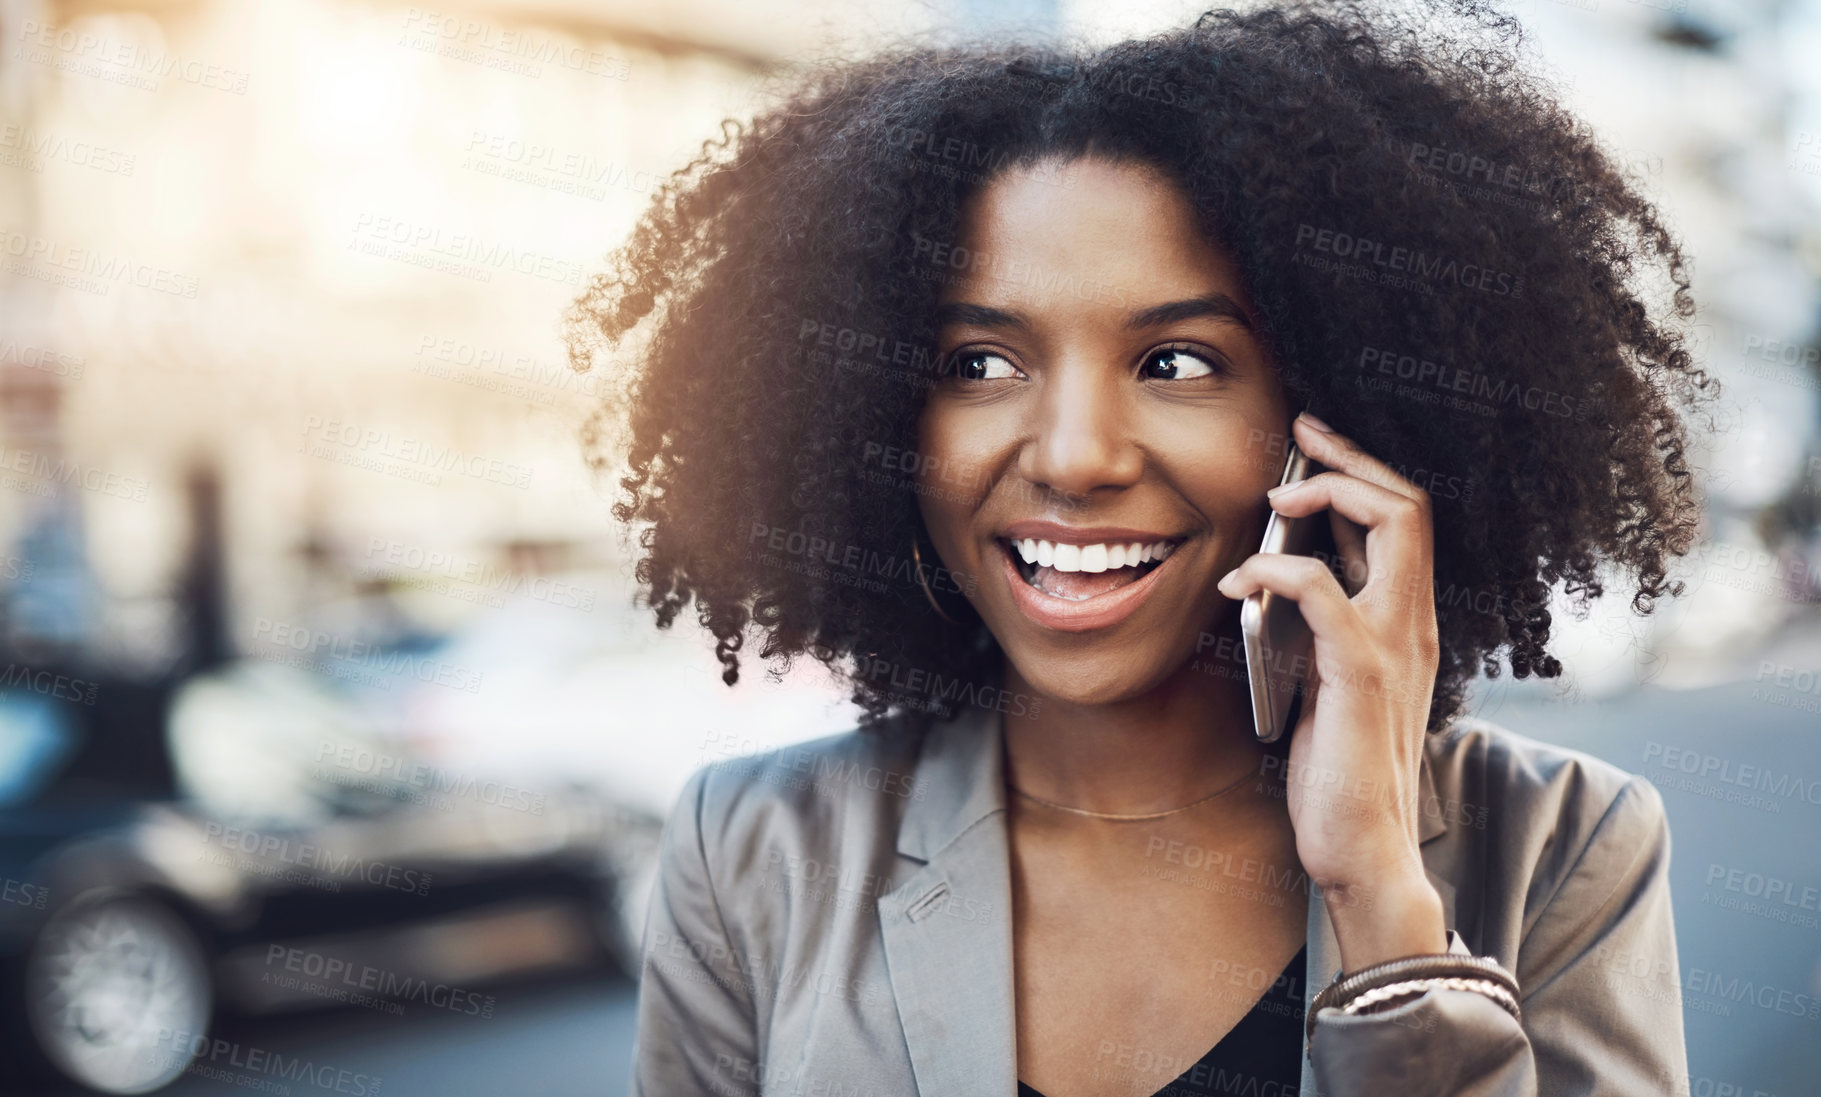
column 833, row 919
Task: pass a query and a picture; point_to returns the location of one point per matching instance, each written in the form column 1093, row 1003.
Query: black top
column 1265, row 1046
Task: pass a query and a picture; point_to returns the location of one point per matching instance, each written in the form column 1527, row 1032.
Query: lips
column 1092, row 558
column 1078, row 572
column 1083, row 535
column 1082, row 578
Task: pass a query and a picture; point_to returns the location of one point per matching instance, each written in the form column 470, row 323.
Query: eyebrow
column 1216, row 306
column 979, row 316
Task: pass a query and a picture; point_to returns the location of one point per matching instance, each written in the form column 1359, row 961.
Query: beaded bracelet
column 1413, row 975
column 1386, row 997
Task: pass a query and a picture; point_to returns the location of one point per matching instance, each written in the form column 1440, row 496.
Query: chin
column 1093, row 679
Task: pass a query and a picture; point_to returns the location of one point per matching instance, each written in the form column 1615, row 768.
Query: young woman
column 970, row 373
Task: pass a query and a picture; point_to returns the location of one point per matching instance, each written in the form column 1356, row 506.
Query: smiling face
column 1104, row 388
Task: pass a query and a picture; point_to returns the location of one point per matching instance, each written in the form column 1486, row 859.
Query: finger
column 1366, row 503
column 1342, row 454
column 1307, row 582
column 1396, row 566
column 1350, row 546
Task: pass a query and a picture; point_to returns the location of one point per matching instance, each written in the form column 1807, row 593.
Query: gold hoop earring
column 924, row 583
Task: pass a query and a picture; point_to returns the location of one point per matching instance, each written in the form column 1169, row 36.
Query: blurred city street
column 333, row 746
column 557, row 1039
column 574, row 1035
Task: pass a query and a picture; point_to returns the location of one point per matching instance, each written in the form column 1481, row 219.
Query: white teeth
column 1089, row 558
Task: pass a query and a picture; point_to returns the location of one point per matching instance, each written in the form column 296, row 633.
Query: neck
column 1170, row 746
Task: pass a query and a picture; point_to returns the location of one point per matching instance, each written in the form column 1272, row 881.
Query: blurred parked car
column 277, row 850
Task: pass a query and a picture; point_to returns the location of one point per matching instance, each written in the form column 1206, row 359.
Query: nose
column 1079, row 439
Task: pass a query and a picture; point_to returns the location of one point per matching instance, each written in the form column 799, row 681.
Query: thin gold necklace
column 1112, row 815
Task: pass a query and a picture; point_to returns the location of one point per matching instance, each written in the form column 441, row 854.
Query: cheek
column 947, row 475
column 1237, row 502
column 1254, row 444
column 933, row 429
column 954, row 458
column 1225, row 474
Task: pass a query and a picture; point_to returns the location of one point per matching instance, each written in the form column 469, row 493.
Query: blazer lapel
column 948, row 929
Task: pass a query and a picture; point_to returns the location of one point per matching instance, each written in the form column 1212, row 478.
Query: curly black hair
column 1451, row 269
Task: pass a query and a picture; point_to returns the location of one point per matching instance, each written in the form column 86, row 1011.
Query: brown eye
column 980, row 365
column 1176, row 364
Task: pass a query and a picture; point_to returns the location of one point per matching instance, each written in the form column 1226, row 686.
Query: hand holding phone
column 1363, row 728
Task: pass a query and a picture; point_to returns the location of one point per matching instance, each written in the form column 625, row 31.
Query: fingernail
column 1283, row 489
column 1316, row 423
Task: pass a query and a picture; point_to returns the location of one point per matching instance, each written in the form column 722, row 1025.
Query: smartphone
column 1279, row 645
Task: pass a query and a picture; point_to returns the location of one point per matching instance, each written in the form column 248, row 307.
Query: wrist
column 1387, row 922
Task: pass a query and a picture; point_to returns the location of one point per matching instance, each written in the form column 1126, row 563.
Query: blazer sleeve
column 695, row 1030
column 1599, row 992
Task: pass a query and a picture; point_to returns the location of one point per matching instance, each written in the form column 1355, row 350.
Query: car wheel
column 117, row 992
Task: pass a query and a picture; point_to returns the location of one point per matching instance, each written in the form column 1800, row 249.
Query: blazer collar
column 961, row 772
column 947, row 929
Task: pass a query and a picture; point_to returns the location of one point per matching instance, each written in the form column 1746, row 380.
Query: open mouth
column 1075, row 573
